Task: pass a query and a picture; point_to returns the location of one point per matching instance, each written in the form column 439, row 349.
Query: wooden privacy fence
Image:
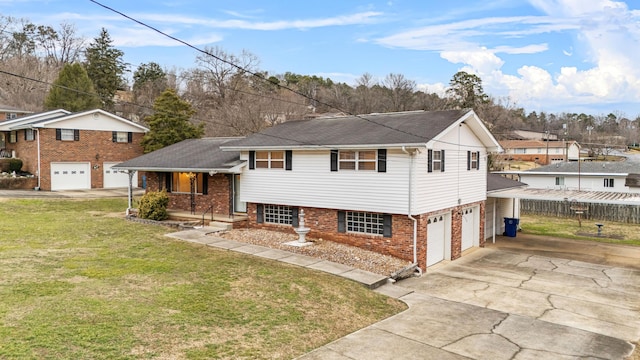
column 594, row 211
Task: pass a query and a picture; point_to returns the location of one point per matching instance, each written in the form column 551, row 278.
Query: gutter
column 39, row 160
column 410, row 205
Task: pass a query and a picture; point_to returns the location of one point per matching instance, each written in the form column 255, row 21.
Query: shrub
column 15, row 165
column 153, row 205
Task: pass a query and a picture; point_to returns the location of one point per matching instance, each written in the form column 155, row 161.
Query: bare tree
column 400, row 91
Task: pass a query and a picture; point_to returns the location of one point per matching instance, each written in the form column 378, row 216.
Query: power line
column 238, row 67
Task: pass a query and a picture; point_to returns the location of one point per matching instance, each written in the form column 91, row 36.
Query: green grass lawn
column 77, row 281
column 612, row 232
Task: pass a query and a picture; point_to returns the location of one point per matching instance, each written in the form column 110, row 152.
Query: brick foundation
column 324, row 225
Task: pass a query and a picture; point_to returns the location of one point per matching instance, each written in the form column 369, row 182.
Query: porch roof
column 192, row 155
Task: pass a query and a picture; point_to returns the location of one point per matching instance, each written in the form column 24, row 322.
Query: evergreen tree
column 105, row 68
column 170, row 122
column 72, row 90
column 466, row 89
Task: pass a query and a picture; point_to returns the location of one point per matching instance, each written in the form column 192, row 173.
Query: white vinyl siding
column 441, row 190
column 312, row 183
column 586, row 182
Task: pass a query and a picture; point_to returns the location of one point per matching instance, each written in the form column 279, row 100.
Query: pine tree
column 105, row 67
column 72, row 90
column 170, row 122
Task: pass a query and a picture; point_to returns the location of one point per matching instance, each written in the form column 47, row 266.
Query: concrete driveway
column 505, row 304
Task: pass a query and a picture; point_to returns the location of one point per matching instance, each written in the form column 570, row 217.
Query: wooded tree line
column 230, row 95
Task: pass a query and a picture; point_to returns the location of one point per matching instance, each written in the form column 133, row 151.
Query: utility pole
column 547, row 156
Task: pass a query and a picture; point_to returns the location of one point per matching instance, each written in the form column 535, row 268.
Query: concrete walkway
column 199, row 235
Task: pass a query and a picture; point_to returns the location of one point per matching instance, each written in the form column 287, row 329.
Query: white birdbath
column 302, row 231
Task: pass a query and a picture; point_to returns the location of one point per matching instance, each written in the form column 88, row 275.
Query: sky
column 541, row 55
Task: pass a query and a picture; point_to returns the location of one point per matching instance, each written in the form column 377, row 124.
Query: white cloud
column 342, row 20
column 607, row 30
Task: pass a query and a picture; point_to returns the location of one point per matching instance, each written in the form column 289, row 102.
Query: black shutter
column 386, row 225
column 334, row 160
column 205, row 183
column 25, row 134
column 294, row 217
column 168, row 179
column 478, row 160
column 442, row 160
column 342, row 221
column 129, row 137
column 288, row 158
column 76, row 135
column 58, row 134
column 382, row 160
column 468, row 160
column 259, row 213
column 252, row 160
column 429, row 160
column 114, row 136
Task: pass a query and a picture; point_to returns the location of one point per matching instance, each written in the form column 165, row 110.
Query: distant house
column 68, row 151
column 541, row 152
column 10, row 113
column 615, row 177
column 534, row 135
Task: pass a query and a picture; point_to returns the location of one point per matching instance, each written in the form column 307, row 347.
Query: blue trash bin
column 511, row 226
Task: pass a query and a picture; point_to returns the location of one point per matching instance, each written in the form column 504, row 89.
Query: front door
column 238, row 206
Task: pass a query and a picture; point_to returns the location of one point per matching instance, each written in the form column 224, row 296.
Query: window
column 121, row 137
column 67, row 134
column 270, row 159
column 277, row 214
column 520, row 151
column 29, row 135
column 560, row 180
column 357, row 160
column 473, row 160
column 364, row 223
column 608, row 182
column 435, row 160
column 181, row 182
column 13, row 137
column 11, row 116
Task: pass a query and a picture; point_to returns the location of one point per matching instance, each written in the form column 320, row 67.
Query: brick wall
column 324, row 225
column 95, row 147
column 219, row 194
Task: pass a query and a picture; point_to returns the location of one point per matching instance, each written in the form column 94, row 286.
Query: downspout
column 38, row 150
column 409, row 215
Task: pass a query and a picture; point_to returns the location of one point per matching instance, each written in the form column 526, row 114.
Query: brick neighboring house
column 69, row 151
column 541, row 152
column 10, row 113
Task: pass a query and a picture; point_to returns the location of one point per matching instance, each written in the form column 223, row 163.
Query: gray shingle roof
column 198, row 155
column 497, row 182
column 402, row 128
column 587, row 167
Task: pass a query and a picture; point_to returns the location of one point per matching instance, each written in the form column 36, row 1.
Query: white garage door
column 115, row 179
column 469, row 227
column 436, row 239
column 70, row 176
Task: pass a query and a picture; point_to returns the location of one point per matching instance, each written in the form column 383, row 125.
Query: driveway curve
column 505, row 304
